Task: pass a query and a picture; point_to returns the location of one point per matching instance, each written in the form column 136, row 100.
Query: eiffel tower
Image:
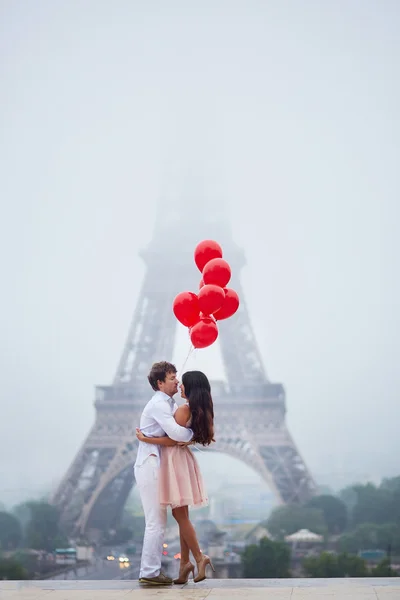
column 249, row 409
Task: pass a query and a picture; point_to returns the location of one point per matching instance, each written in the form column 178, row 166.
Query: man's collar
column 164, row 395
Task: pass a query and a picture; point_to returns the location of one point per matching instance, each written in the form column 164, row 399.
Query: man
column 157, row 420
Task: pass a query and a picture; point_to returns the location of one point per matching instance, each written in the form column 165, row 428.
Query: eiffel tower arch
column 249, row 409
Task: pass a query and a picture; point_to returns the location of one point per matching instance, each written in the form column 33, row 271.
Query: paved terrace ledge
column 210, row 589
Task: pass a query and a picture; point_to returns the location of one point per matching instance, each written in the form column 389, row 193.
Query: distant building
column 65, row 556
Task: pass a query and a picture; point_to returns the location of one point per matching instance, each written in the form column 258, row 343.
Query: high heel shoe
column 201, row 568
column 184, row 573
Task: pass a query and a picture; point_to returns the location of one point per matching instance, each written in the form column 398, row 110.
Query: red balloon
column 202, row 316
column 230, row 305
column 205, row 251
column 217, row 271
column 204, row 333
column 211, row 298
column 201, row 284
column 186, row 308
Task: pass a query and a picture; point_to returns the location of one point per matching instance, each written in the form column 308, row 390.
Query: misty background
column 289, row 111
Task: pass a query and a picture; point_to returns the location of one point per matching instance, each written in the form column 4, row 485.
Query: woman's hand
column 140, row 436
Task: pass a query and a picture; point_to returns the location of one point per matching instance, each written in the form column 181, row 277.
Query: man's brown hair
column 159, row 371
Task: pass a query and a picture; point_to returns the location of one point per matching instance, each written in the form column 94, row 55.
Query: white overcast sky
column 292, row 111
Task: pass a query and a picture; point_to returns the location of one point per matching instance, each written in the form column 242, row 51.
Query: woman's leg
column 187, row 533
column 185, row 558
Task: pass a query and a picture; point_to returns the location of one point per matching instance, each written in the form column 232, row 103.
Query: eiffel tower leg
column 107, row 499
column 288, row 471
column 254, row 431
column 280, row 466
column 67, row 487
column 96, row 486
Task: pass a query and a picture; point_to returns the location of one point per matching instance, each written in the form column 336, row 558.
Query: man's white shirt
column 157, row 420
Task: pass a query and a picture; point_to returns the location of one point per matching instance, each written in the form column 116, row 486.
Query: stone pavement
column 211, row 589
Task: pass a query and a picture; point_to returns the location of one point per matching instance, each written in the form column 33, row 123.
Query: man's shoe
column 160, row 579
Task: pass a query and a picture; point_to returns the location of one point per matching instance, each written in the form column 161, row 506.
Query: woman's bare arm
column 182, row 415
column 160, row 441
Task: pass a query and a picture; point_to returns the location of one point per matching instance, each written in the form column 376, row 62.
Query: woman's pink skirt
column 181, row 483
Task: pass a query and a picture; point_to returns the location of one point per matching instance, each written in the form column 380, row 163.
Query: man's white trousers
column 155, row 516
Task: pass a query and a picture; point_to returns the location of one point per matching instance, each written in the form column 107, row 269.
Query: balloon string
column 198, row 449
column 187, row 358
column 191, row 349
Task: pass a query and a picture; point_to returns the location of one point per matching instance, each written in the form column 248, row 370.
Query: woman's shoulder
column 182, row 414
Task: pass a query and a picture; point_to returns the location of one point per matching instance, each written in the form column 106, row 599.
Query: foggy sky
column 289, row 109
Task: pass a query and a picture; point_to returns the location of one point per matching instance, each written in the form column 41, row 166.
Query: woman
column 181, row 483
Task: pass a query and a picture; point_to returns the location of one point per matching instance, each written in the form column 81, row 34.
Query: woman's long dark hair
column 198, row 392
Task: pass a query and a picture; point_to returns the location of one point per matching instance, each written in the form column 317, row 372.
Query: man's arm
column 162, row 414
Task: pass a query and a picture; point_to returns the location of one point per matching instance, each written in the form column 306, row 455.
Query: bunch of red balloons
column 214, row 302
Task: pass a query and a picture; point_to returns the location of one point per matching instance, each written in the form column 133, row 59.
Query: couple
column 166, row 471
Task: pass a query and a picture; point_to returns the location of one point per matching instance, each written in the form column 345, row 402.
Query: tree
column 11, row 569
column 43, row 530
column 267, row 559
column 393, row 486
column 334, row 511
column 324, row 565
column 368, row 536
column 23, row 513
column 134, row 523
column 120, row 535
column 352, row 566
column 374, row 505
column 328, row 565
column 288, row 519
column 10, row 531
column 391, row 483
column 137, row 527
column 384, row 569
column 348, row 496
